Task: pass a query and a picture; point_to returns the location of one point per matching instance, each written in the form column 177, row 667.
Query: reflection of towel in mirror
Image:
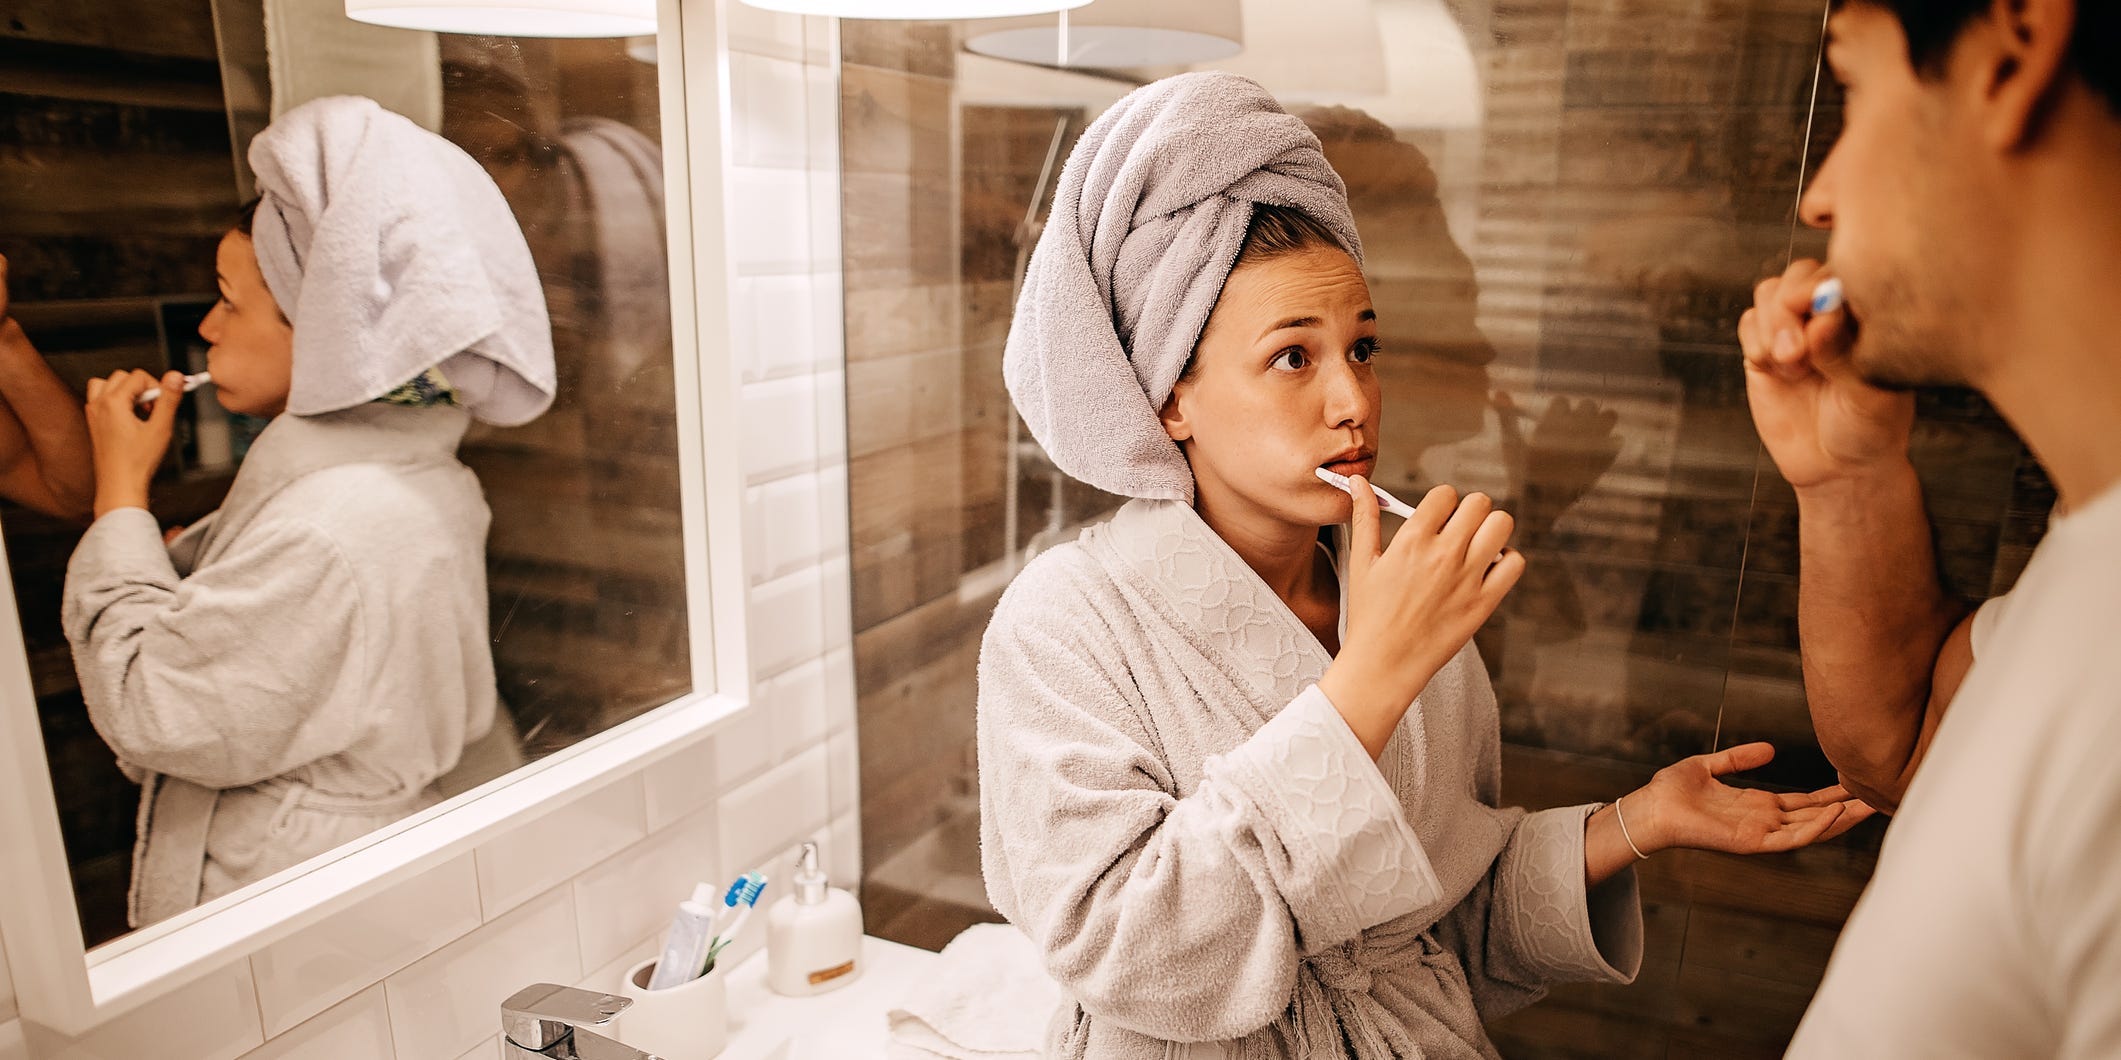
column 297, row 670
column 988, row 997
column 392, row 252
column 1203, row 852
column 622, row 179
column 1147, row 219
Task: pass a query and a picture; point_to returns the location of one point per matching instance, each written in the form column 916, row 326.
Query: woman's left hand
column 128, row 448
column 1686, row 805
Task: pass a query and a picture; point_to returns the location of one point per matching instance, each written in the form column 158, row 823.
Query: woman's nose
column 210, row 328
column 1347, row 400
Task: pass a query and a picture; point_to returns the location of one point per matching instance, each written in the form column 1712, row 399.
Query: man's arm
column 1884, row 647
column 45, row 460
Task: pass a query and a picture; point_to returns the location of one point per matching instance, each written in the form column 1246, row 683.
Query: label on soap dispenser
column 830, row 974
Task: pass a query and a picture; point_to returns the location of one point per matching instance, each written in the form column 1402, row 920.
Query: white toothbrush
column 191, row 382
column 1391, row 504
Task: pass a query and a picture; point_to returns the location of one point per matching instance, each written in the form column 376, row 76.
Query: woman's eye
column 1364, row 351
column 1290, row 359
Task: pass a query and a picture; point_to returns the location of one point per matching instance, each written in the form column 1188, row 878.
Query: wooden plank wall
column 116, row 182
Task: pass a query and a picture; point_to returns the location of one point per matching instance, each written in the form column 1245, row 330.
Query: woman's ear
column 1173, row 415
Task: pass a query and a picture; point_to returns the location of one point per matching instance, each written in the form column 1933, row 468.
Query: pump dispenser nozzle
column 810, row 882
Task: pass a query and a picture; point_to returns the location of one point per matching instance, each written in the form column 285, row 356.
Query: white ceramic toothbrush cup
column 689, row 1021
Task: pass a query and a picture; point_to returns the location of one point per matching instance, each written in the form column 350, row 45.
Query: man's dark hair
column 1933, row 26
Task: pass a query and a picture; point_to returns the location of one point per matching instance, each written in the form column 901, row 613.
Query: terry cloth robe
column 295, row 670
column 1203, row 851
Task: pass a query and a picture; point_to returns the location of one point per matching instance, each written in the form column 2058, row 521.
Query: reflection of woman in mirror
column 43, row 442
column 1437, row 380
column 299, row 667
column 1240, row 767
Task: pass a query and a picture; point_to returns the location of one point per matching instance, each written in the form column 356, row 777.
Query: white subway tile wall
column 631, row 896
column 758, row 817
column 214, row 1018
column 535, row 855
column 355, row 1029
column 445, row 1002
column 418, row 972
column 312, row 970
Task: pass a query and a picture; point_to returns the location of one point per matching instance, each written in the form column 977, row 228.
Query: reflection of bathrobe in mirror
column 1203, row 851
column 295, row 670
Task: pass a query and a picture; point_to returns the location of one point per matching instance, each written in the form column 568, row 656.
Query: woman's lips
column 1363, row 467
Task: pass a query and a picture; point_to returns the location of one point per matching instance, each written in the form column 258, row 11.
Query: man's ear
column 1174, row 416
column 2022, row 54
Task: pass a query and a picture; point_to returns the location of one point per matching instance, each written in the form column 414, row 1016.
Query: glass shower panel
column 1565, row 205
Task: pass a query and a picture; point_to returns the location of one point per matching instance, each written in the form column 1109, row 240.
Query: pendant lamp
column 511, row 18
column 1120, row 34
column 1318, row 51
column 916, row 10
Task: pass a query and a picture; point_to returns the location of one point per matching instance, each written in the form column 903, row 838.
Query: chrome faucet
column 548, row 1020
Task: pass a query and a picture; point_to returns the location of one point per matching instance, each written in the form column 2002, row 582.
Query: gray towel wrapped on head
column 1147, row 220
column 393, row 253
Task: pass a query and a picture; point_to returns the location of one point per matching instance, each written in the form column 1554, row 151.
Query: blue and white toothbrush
column 1826, row 297
column 742, row 896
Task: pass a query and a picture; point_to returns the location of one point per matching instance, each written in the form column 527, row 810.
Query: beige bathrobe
column 1203, row 851
column 295, row 670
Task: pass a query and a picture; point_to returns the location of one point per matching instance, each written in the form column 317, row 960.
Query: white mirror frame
column 63, row 986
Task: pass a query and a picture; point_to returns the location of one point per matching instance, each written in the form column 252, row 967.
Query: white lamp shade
column 1120, row 34
column 917, row 10
column 511, row 18
column 1317, row 51
column 1435, row 79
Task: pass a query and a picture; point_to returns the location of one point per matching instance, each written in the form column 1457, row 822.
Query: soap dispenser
column 813, row 935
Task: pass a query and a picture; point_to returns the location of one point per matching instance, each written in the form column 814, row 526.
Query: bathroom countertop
column 846, row 1024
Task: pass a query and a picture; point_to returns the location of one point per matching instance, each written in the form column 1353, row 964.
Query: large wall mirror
column 122, row 172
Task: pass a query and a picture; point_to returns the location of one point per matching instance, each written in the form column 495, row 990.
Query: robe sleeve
column 1183, row 919
column 1532, row 922
column 239, row 673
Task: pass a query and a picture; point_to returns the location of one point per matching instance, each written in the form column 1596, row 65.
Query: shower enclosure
column 1564, row 204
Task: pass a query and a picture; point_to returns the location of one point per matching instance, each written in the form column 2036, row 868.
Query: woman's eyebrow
column 1365, row 316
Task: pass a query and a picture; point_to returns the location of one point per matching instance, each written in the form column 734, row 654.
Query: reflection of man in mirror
column 299, row 667
column 44, row 461
column 1435, row 368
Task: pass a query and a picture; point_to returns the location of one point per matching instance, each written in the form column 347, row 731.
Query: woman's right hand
column 1819, row 418
column 1412, row 606
column 128, row 448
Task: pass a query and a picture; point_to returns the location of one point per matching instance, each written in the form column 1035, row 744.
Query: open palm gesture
column 1687, row 805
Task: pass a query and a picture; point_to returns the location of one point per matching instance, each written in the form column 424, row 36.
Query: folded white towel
column 989, row 999
column 392, row 252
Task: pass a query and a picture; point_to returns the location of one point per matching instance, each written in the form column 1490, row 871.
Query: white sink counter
column 846, row 1024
